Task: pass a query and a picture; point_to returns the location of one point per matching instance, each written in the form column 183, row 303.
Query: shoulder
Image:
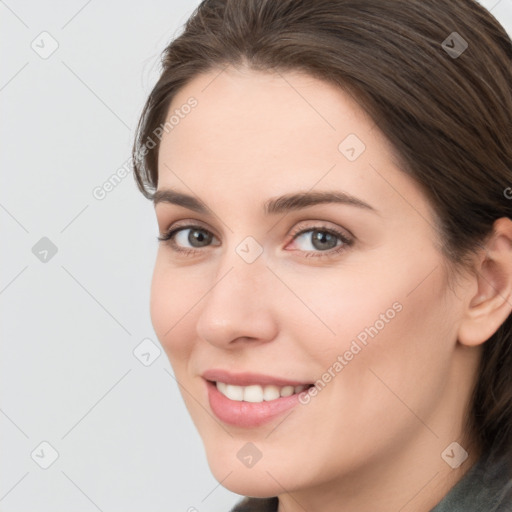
column 256, row 505
column 487, row 486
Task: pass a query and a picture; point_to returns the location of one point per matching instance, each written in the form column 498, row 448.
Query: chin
column 247, row 481
column 249, row 484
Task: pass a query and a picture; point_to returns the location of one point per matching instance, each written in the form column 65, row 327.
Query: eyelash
column 168, row 237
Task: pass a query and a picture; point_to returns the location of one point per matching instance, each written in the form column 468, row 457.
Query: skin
column 376, row 432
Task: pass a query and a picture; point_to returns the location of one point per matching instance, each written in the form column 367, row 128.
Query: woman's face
column 277, row 282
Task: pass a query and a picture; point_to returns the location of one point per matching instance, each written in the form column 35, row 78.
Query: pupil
column 196, row 238
column 323, row 240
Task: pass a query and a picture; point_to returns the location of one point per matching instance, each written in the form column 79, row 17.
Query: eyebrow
column 285, row 203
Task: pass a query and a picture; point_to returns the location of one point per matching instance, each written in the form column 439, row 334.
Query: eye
column 318, row 240
column 188, row 238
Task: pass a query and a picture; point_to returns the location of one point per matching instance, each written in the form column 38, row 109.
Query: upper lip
column 247, row 378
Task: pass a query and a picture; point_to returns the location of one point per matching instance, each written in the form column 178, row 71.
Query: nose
column 238, row 306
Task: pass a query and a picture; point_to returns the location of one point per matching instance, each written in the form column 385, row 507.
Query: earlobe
column 491, row 305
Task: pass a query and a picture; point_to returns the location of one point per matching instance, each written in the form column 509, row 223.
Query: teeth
column 256, row 393
column 234, row 392
column 271, row 393
column 287, row 391
column 252, row 393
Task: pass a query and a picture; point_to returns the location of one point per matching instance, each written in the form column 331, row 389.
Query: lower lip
column 247, row 414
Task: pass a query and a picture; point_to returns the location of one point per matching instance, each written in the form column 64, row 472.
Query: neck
column 412, row 481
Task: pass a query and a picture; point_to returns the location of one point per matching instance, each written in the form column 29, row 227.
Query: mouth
column 257, row 393
column 250, row 400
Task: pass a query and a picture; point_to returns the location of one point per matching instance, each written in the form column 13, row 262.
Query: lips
column 253, row 412
column 248, row 379
column 246, row 414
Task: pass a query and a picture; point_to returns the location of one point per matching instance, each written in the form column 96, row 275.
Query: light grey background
column 70, row 324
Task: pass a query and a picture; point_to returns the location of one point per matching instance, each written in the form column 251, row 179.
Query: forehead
column 254, row 134
column 265, row 115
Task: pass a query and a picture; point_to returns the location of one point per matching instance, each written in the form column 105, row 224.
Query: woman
column 333, row 285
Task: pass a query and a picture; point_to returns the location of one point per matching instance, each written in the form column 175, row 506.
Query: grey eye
column 317, row 239
column 195, row 237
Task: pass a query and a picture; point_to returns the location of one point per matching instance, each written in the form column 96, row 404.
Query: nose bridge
column 236, row 282
column 242, row 273
column 238, row 303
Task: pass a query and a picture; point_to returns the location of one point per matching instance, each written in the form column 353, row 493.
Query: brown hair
column 448, row 115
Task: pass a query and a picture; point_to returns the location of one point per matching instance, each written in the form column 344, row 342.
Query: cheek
column 396, row 343
column 393, row 322
column 171, row 308
column 339, row 305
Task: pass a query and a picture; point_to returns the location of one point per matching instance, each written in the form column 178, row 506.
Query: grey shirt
column 486, row 487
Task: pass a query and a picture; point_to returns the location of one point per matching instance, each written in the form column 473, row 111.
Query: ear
column 491, row 305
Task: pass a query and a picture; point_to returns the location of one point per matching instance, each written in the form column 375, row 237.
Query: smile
column 253, row 405
column 257, row 393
